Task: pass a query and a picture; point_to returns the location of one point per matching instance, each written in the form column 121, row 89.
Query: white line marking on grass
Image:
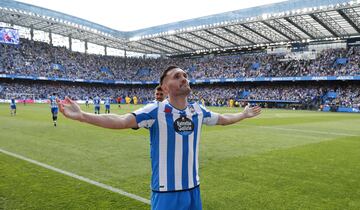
column 84, row 179
column 309, row 131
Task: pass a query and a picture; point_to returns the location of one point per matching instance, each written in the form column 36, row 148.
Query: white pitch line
column 84, row 179
column 309, row 131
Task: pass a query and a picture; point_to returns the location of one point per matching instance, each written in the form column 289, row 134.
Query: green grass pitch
column 283, row 159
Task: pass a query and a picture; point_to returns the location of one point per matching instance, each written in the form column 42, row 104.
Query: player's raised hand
column 251, row 111
column 70, row 109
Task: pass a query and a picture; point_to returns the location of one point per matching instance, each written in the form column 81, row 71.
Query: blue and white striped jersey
column 174, row 143
column 96, row 101
column 107, row 101
column 12, row 102
column 53, row 103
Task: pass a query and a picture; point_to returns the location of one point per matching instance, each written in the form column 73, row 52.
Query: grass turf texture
column 283, row 159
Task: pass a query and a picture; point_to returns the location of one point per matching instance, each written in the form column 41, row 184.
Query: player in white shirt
column 87, row 102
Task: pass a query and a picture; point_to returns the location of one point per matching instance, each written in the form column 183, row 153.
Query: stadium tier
column 301, row 96
column 39, row 59
column 35, row 60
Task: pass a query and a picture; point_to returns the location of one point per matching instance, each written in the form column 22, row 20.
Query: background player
column 54, row 108
column 12, row 107
column 159, row 94
column 87, row 101
column 97, row 104
column 107, row 105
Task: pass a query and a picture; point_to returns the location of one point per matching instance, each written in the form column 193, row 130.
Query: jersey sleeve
column 146, row 116
column 210, row 118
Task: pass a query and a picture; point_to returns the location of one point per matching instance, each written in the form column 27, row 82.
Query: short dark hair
column 163, row 75
column 158, row 88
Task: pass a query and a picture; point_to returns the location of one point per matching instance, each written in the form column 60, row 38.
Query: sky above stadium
column 128, row 15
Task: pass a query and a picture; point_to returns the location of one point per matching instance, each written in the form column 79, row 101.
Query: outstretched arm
column 249, row 112
column 71, row 110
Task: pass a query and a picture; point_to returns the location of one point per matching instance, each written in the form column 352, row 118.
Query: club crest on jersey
column 183, row 126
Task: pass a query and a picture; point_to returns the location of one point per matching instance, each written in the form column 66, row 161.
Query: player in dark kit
column 12, row 107
column 54, row 108
column 97, row 105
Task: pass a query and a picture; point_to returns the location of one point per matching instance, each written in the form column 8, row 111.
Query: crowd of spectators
column 34, row 58
column 348, row 96
column 214, row 95
column 39, row 59
column 39, row 91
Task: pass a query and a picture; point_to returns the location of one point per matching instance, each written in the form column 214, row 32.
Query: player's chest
column 181, row 123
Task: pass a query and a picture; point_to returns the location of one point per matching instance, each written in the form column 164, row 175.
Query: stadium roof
column 274, row 24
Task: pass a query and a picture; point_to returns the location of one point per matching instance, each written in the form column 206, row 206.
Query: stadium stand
column 62, row 63
column 268, row 95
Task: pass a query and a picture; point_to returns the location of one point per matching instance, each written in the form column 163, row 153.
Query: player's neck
column 179, row 103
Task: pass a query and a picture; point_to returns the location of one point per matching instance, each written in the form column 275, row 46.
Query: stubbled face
column 176, row 83
column 159, row 95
